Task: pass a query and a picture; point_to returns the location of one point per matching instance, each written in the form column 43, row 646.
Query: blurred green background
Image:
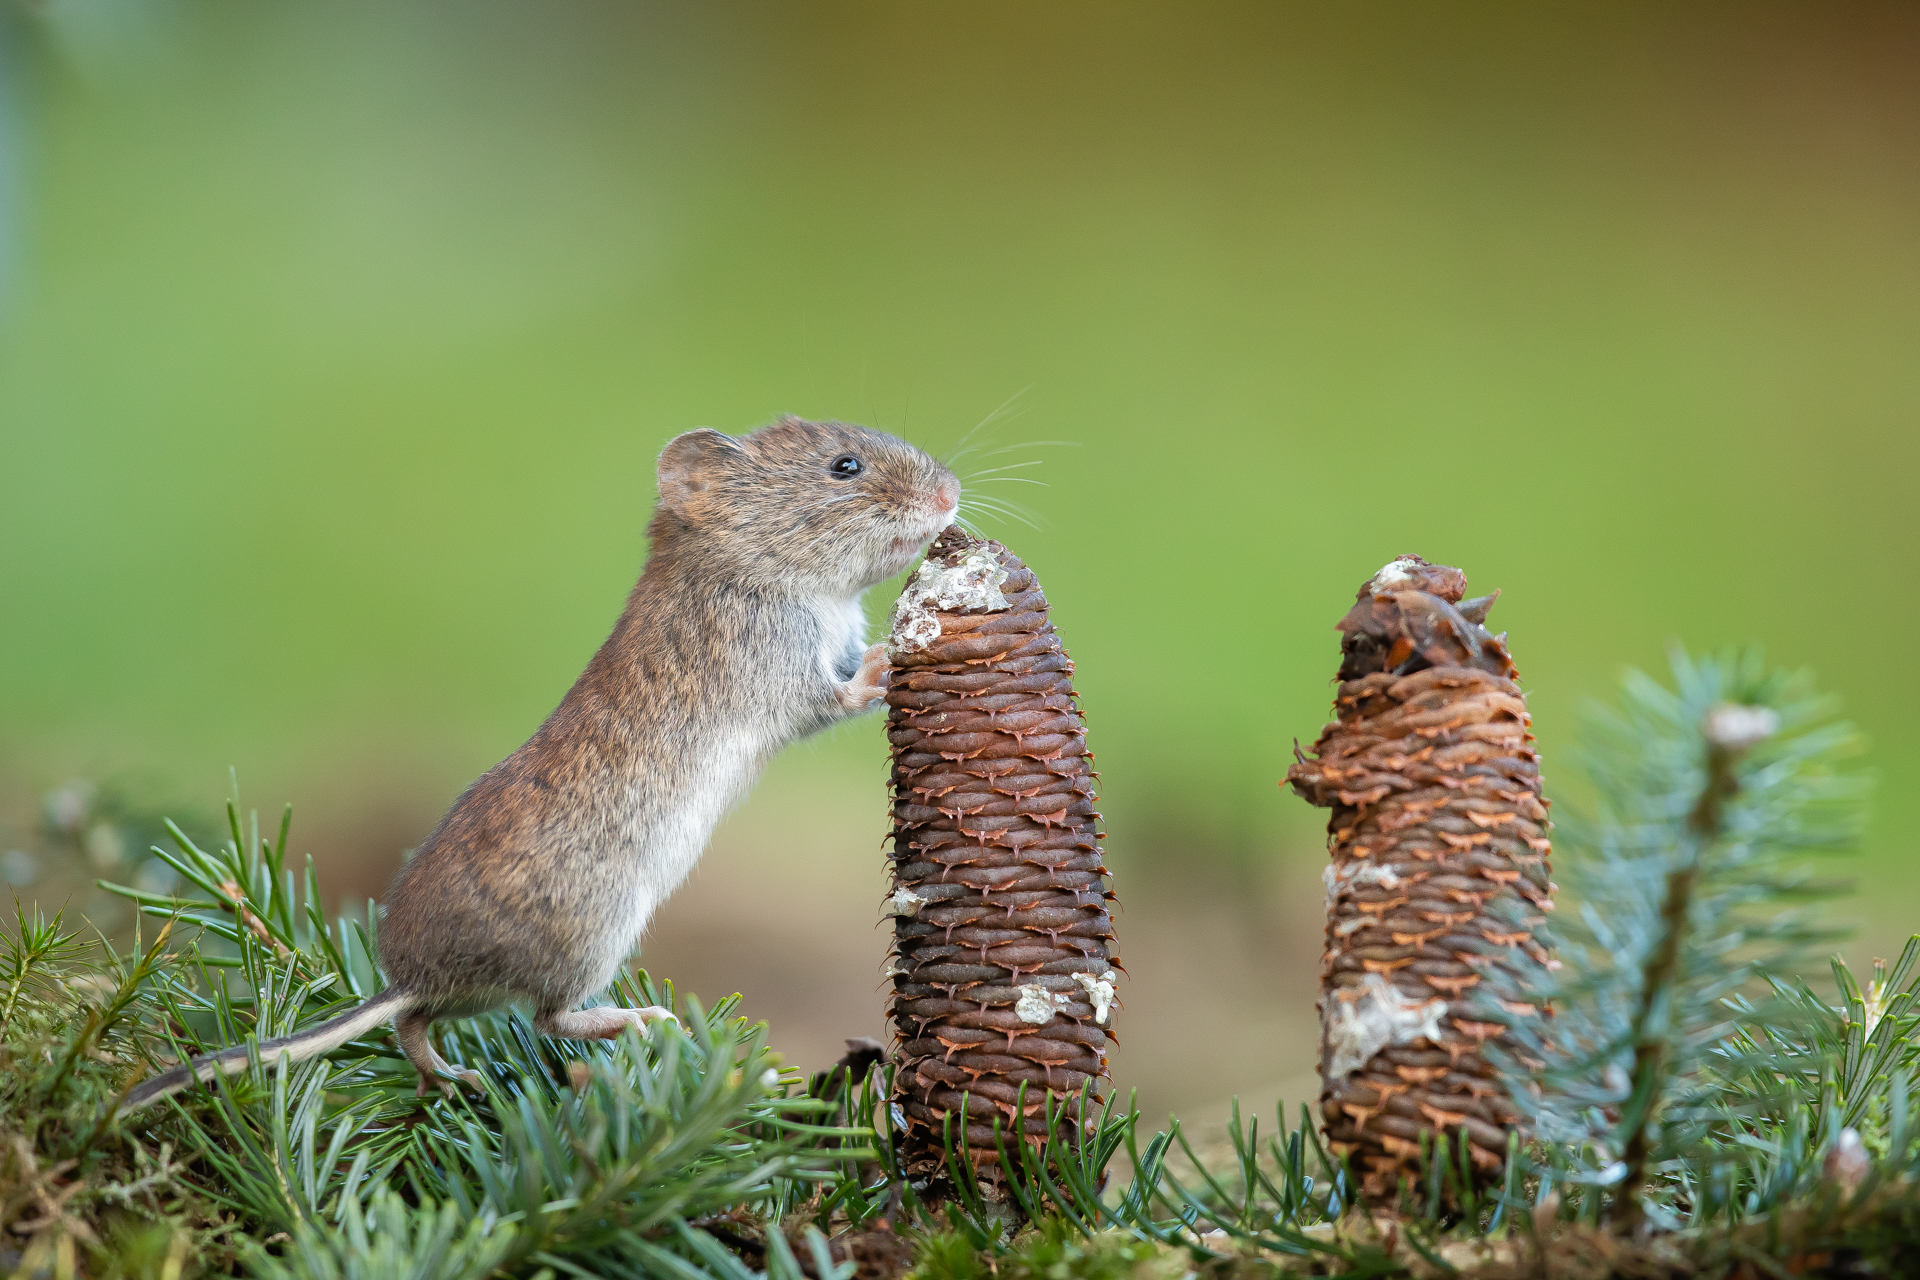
column 336, row 343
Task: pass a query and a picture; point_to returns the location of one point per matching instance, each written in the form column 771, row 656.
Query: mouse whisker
column 1008, row 480
column 994, row 508
column 1011, row 466
column 989, row 500
column 1000, row 507
column 984, row 457
column 1034, row 444
column 960, row 450
column 1006, row 515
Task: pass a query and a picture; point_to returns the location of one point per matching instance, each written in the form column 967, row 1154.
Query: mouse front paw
column 869, row 683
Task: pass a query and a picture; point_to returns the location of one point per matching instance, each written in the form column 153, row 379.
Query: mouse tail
column 298, row 1047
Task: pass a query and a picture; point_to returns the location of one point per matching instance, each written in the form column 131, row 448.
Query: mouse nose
column 947, row 496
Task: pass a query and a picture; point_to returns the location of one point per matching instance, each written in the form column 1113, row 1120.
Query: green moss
column 1055, row 1251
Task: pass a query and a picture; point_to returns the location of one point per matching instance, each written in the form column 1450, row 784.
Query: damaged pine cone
column 1438, row 879
column 1001, row 965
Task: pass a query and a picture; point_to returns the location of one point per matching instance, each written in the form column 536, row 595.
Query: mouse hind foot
column 411, row 1028
column 603, row 1022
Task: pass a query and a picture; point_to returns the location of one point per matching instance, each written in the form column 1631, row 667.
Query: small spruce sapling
column 1691, row 877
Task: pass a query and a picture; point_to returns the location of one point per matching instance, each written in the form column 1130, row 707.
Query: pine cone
column 1439, row 872
column 1001, row 965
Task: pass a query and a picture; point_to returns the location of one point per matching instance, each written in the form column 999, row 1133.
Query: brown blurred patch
column 357, row 842
column 786, row 910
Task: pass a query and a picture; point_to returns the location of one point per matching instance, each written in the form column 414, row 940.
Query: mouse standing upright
column 744, row 633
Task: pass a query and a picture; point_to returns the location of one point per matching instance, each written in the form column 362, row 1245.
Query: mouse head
column 819, row 506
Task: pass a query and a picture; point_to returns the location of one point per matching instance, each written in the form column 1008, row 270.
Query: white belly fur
column 659, row 832
column 660, row 836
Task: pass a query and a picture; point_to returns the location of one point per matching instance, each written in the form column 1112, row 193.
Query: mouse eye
column 845, row 467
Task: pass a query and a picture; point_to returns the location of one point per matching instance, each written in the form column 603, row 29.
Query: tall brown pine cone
column 1001, row 964
column 1439, row 872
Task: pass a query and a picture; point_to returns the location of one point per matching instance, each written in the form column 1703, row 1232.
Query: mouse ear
column 690, row 463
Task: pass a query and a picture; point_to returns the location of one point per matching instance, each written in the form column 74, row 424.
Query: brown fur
column 743, row 633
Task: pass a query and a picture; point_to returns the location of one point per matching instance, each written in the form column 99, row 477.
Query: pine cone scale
column 1438, row 871
column 1002, row 974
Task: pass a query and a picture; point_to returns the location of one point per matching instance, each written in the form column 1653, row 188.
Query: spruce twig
column 1681, row 1066
column 1650, row 1041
